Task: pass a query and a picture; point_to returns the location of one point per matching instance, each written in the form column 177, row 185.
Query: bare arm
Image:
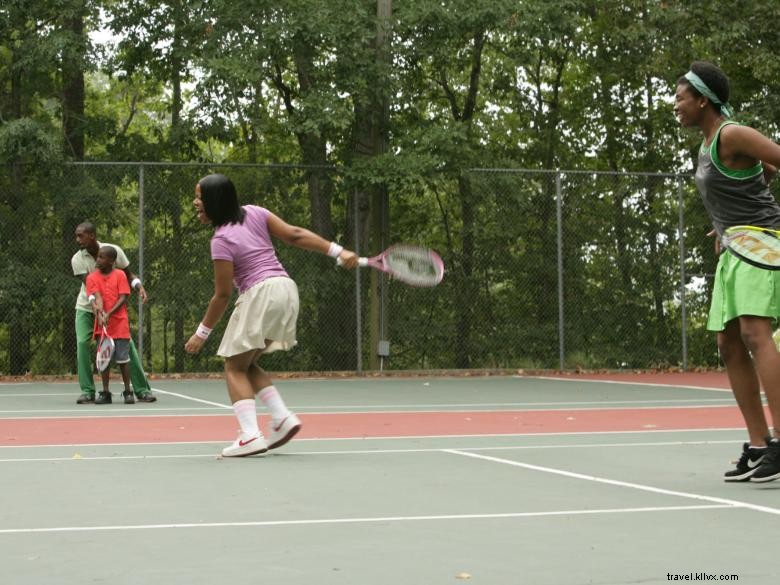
column 139, row 287
column 97, row 308
column 742, row 146
column 223, row 289
column 306, row 239
column 119, row 302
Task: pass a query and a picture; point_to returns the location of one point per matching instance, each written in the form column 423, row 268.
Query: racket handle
column 362, row 261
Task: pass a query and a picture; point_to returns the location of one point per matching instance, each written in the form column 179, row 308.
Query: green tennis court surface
column 541, row 506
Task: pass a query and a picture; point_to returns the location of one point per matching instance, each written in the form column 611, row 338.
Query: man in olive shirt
column 83, row 262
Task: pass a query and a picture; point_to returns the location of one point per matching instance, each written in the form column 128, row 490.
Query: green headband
column 697, row 82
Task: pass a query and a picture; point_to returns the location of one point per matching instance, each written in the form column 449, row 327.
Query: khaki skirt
column 742, row 289
column 267, row 311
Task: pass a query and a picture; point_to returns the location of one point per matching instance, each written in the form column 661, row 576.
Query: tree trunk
column 467, row 287
column 73, row 106
column 372, row 142
column 73, row 88
column 176, row 144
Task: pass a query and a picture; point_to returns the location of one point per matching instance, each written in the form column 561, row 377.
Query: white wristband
column 203, row 332
column 136, row 282
column 91, row 298
column 335, row 250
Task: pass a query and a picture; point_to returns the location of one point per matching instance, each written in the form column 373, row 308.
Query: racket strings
column 105, row 352
column 414, row 266
column 756, row 245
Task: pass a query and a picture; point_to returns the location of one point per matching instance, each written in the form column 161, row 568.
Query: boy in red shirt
column 107, row 287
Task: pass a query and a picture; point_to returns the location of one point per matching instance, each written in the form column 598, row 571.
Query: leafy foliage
column 310, row 89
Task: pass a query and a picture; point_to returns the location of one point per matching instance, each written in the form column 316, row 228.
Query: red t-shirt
column 110, row 286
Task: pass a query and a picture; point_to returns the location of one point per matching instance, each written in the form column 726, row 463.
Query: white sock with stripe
column 246, row 413
column 274, row 403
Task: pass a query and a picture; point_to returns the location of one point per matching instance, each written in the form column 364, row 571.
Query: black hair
column 109, row 251
column 88, row 227
column 220, row 201
column 713, row 77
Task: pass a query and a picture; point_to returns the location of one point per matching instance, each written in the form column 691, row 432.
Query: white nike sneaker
column 246, row 445
column 283, row 431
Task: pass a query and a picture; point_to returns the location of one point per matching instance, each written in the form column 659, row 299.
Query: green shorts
column 743, row 289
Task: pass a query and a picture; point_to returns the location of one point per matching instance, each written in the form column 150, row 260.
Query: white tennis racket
column 412, row 265
column 105, row 350
column 755, row 245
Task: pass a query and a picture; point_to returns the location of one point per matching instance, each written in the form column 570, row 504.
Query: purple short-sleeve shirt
column 248, row 246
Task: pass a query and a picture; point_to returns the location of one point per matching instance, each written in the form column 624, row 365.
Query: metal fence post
column 683, row 312
column 141, row 259
column 358, row 307
column 559, row 227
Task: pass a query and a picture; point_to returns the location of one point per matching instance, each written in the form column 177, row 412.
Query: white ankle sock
column 274, row 403
column 246, row 413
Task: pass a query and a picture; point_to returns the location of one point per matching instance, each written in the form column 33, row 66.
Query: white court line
column 117, row 410
column 111, row 458
column 365, row 409
column 105, row 410
column 219, row 404
column 112, row 410
column 392, row 438
column 471, row 408
column 156, row 390
column 636, row 486
column 433, row 405
column 465, row 406
column 656, row 384
column 380, row 519
column 597, row 403
column 372, row 451
column 26, row 394
column 470, row 405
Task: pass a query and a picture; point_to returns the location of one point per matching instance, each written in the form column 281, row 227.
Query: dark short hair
column 88, row 227
column 220, row 201
column 713, row 76
column 109, row 251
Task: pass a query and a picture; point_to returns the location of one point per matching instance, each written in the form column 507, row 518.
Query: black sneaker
column 769, row 470
column 146, row 397
column 129, row 397
column 103, row 398
column 747, row 465
column 86, row 399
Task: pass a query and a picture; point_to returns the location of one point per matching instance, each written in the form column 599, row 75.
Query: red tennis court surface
column 166, row 429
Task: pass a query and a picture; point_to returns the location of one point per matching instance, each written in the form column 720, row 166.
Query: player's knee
column 235, row 367
column 755, row 340
column 730, row 348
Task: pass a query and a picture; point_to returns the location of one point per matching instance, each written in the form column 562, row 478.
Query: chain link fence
column 544, row 269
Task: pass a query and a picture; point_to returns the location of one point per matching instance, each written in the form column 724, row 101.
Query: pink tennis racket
column 413, row 265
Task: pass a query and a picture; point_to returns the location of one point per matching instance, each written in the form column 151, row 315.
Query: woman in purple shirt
column 266, row 310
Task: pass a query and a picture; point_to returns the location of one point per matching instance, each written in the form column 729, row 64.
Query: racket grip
column 362, row 261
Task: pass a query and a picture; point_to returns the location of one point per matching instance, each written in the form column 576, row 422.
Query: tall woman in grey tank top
column 735, row 165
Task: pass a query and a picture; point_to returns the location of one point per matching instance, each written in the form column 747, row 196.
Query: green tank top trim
column 733, row 173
